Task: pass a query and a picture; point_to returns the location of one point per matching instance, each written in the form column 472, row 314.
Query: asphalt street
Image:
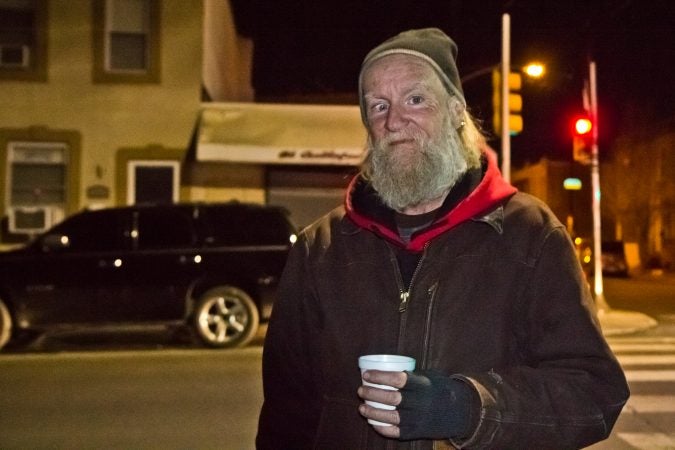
column 147, row 391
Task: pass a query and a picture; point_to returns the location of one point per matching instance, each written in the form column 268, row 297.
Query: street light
column 534, row 70
column 503, row 118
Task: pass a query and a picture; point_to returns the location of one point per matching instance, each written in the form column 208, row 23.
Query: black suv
column 213, row 267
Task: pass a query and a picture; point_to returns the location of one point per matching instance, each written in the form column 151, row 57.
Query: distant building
column 546, row 181
column 639, row 191
column 113, row 102
column 99, row 99
column 637, row 195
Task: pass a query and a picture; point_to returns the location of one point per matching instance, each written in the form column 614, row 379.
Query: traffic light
column 582, row 139
column 515, row 102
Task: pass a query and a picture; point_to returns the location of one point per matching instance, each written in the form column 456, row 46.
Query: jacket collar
column 480, row 201
column 494, row 218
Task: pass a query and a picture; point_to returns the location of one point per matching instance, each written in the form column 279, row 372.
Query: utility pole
column 595, row 183
column 506, row 69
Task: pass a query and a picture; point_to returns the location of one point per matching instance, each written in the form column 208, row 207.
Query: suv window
column 241, row 225
column 164, row 228
column 94, row 231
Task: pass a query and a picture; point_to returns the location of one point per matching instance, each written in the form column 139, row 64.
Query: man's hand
column 388, row 397
column 428, row 405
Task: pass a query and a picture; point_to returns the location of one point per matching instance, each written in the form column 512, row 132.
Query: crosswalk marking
column 634, row 338
column 641, row 338
column 644, row 347
column 646, row 359
column 641, row 357
column 650, row 375
column 652, row 351
column 652, row 441
column 651, row 404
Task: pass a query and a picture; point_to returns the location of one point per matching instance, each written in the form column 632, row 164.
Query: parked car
column 613, row 258
column 211, row 267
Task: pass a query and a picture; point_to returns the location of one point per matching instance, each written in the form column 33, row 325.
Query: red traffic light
column 582, row 126
column 582, row 139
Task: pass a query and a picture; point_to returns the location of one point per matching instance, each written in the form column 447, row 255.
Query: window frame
column 56, row 154
column 133, row 164
column 37, row 67
column 100, row 73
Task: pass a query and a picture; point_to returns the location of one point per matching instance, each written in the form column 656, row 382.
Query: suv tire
column 225, row 317
column 5, row 325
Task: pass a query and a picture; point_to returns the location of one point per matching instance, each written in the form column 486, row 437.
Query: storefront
column 297, row 156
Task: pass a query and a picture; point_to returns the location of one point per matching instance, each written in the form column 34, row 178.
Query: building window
column 154, row 182
column 36, row 185
column 23, row 43
column 126, row 41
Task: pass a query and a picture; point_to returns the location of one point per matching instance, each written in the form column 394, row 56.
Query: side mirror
column 54, row 242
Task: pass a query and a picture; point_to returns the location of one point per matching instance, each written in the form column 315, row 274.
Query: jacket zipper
column 404, row 301
column 405, row 293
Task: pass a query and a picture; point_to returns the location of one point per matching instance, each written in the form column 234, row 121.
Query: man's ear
column 456, row 113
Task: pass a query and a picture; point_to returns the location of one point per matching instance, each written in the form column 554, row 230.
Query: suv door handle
column 113, row 263
column 266, row 280
column 190, row 259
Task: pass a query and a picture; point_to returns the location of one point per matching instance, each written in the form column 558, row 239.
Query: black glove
column 434, row 406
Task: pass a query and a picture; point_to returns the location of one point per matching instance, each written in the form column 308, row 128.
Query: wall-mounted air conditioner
column 14, row 56
column 31, row 219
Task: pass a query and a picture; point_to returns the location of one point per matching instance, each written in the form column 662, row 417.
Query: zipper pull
column 404, row 301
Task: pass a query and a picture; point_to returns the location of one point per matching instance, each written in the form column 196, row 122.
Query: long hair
column 473, row 140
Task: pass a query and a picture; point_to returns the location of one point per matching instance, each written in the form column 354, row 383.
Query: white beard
column 405, row 180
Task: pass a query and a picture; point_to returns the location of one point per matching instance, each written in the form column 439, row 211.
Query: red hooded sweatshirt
column 477, row 193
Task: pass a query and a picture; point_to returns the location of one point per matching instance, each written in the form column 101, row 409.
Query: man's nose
column 396, row 118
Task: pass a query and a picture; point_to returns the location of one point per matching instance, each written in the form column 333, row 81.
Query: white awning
column 263, row 133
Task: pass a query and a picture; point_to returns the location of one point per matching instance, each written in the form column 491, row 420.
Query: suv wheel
column 5, row 325
column 226, row 317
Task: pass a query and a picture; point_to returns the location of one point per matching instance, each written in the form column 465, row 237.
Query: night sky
column 315, row 47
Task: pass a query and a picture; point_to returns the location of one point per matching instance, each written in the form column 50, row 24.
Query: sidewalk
column 620, row 321
column 617, row 321
column 656, row 275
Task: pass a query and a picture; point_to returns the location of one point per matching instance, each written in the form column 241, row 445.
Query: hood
column 478, row 192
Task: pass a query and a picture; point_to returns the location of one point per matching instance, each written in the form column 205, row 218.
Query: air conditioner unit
column 14, row 56
column 30, row 219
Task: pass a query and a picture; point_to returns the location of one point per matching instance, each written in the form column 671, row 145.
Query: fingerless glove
column 434, row 406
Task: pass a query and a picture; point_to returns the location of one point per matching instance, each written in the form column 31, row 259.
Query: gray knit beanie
column 430, row 44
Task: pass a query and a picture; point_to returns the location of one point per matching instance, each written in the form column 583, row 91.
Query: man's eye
column 416, row 99
column 379, row 107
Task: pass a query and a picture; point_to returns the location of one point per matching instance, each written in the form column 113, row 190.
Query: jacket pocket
column 340, row 425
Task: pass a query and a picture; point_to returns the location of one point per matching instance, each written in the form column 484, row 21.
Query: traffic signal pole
column 506, row 69
column 598, row 288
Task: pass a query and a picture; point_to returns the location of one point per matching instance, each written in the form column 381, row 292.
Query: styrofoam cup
column 389, row 363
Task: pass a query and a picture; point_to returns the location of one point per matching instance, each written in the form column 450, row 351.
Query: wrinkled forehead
column 399, row 66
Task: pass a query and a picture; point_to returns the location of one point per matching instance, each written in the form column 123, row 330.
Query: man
column 434, row 256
